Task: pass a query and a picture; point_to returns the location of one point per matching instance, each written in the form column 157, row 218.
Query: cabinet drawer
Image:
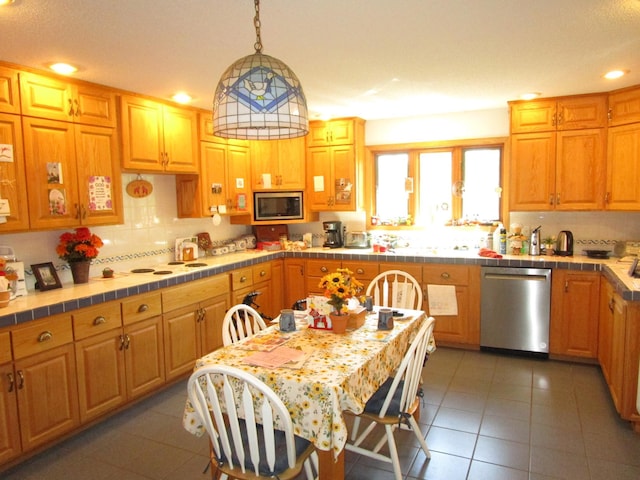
column 363, row 271
column 5, row 347
column 140, row 307
column 93, row 320
column 241, row 278
column 41, row 335
column 320, row 267
column 261, row 273
column 194, row 292
column 445, row 274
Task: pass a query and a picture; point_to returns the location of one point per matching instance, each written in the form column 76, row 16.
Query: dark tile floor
column 485, row 417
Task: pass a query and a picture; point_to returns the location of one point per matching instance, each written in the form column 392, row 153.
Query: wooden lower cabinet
column 294, row 286
column 193, row 322
column 463, row 328
column 47, row 396
column 574, row 313
column 144, row 356
column 257, row 278
column 10, row 444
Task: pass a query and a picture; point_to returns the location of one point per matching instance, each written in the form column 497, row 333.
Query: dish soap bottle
column 503, row 240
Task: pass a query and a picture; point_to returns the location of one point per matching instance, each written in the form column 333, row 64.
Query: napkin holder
column 356, row 318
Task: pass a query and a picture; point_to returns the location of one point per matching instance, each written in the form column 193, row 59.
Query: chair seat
column 281, row 465
column 374, row 405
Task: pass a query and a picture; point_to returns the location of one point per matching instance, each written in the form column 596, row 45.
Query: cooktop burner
column 162, row 272
column 142, row 270
column 196, row 264
column 177, row 262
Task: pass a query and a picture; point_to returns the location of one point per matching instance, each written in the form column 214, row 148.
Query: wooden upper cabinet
column 9, row 91
column 564, row 113
column 623, row 168
column 624, row 106
column 49, row 97
column 158, row 137
column 13, row 187
column 333, row 132
column 278, row 164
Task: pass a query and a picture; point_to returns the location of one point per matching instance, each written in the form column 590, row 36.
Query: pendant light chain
column 256, row 23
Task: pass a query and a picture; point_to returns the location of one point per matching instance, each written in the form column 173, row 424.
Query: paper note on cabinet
column 442, row 300
column 318, row 183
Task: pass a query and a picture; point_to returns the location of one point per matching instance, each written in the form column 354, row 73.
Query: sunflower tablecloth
column 341, row 373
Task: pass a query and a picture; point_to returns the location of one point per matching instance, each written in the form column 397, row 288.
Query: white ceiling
column 369, row 58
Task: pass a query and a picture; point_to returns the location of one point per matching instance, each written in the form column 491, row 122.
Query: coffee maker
column 332, row 234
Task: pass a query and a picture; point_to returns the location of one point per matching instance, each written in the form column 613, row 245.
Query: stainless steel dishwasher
column 515, row 309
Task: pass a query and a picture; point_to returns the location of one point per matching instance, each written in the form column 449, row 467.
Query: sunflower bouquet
column 339, row 287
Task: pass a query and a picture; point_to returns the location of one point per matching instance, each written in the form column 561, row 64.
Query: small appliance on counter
column 357, row 240
column 564, row 244
column 534, row 244
column 268, row 236
column 332, row 234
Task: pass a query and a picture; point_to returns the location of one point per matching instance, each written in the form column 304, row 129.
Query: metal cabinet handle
column 122, row 343
column 612, row 304
column 77, row 109
column 45, row 336
column 558, row 199
column 566, row 286
column 445, row 275
column 551, row 199
column 610, row 114
column 70, row 112
column 11, row 381
column 143, row 308
column 360, row 271
column 243, row 279
column 607, row 197
column 127, row 339
column 262, row 273
column 21, row 376
column 324, row 269
column 99, row 321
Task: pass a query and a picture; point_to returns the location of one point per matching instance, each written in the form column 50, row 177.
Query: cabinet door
column 335, row 132
column 623, row 168
column 277, row 287
column 46, row 97
column 99, row 178
column 264, row 164
column 582, row 111
column 144, row 356
column 319, row 182
column 574, row 314
column 213, row 171
column 212, row 314
column 180, row 140
column 454, row 328
column 101, row 373
column 344, row 178
column 580, row 169
column 618, row 353
column 9, row 91
column 9, row 425
column 537, row 116
column 294, row 280
column 532, row 171
column 624, row 107
column 291, row 164
column 239, row 196
column 95, row 105
column 13, row 187
column 142, row 134
column 50, row 156
column 48, row 398
column 181, row 333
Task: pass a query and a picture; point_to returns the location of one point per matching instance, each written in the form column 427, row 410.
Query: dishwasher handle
column 507, row 276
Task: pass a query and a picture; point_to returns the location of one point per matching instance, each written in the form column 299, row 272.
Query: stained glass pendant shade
column 259, row 98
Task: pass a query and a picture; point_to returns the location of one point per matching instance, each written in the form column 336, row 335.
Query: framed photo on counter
column 46, row 276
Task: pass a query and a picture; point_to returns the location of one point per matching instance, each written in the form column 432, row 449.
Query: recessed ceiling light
column 182, row 97
column 530, row 95
column 63, row 68
column 613, row 74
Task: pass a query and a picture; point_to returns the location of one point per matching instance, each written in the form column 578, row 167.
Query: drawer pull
column 360, row 271
column 11, row 381
column 99, row 320
column 324, row 269
column 143, row 308
column 21, row 376
column 243, row 279
column 45, row 336
column 262, row 273
column 445, row 275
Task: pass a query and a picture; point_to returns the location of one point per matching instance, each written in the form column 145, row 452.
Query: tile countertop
column 123, row 284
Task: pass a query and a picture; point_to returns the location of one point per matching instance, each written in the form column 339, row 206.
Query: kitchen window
column 436, row 185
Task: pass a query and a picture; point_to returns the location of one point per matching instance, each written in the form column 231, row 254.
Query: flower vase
column 339, row 322
column 80, row 271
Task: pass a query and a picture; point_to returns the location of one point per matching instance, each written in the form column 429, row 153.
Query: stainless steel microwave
column 277, row 206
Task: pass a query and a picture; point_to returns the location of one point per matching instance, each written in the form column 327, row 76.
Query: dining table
column 320, row 375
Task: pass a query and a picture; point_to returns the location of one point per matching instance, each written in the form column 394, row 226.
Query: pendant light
column 259, row 98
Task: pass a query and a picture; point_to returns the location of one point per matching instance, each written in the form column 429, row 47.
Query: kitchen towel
column 442, row 300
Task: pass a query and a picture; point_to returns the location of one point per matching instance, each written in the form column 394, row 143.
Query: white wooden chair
column 395, row 289
column 241, row 321
column 250, row 428
column 393, row 404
